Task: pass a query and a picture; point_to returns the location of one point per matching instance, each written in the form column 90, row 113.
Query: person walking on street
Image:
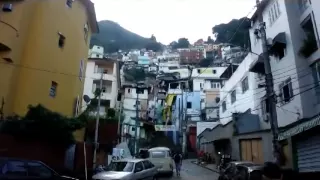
column 178, row 162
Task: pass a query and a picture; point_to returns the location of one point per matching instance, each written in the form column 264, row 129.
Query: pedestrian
column 271, row 171
column 178, row 162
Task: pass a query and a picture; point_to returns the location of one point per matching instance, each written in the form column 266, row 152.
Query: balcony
column 106, row 76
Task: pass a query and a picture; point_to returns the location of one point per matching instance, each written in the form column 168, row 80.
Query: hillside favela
column 159, row 89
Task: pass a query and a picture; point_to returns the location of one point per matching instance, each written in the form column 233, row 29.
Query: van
column 161, row 158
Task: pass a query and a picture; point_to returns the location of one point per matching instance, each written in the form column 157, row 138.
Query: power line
column 48, row 71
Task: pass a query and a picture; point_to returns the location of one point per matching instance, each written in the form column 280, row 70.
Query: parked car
column 161, row 158
column 19, row 169
column 128, row 169
column 241, row 170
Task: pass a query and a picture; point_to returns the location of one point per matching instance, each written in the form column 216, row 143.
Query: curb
column 213, row 170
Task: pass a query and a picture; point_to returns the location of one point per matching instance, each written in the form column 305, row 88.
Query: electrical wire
column 49, row 71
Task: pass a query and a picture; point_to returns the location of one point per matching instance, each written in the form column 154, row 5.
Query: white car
column 128, row 169
column 161, row 158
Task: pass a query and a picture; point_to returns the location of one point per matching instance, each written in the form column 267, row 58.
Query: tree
column 233, row 33
column 41, row 124
column 206, row 62
column 153, row 38
column 182, row 43
column 136, row 74
column 154, row 45
column 210, row 40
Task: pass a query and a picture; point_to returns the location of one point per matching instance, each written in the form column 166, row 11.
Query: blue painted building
column 143, row 60
column 189, row 101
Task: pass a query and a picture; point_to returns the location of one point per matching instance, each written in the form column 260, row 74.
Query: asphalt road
column 190, row 171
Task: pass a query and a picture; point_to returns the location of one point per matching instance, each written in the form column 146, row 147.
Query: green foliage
column 43, row 125
column 182, row 43
column 206, row 62
column 224, row 32
column 210, row 40
column 136, row 74
column 113, row 37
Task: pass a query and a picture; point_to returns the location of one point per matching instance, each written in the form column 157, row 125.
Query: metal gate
column 308, row 153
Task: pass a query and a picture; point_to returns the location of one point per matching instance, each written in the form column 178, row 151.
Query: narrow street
column 190, row 171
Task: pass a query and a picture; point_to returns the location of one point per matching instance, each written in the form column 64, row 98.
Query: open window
column 309, row 45
column 286, row 91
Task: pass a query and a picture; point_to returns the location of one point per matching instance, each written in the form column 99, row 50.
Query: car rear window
column 158, row 154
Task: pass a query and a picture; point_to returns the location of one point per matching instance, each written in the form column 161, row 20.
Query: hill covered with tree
column 114, row 37
column 224, row 32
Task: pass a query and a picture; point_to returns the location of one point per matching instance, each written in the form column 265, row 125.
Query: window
column 316, row 77
column 140, row 91
column 189, row 105
column 120, row 166
column 233, row 96
column 53, row 89
column 199, row 71
column 286, row 91
column 303, row 5
column 7, row 7
column 310, row 43
column 86, row 31
column 138, row 167
column 38, row 170
column 81, row 70
column 224, row 106
column 245, row 85
column 148, row 165
column 274, row 12
column 158, row 154
column 61, row 41
column 129, row 90
column 69, row 3
column 97, row 55
column 214, row 71
column 14, row 168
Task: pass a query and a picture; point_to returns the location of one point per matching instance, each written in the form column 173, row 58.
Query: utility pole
column 185, row 122
column 96, row 134
column 269, row 85
column 119, row 122
column 136, row 123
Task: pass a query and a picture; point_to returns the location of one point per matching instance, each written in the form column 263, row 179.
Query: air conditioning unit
column 7, row 7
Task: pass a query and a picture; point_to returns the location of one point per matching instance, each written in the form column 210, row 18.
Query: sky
column 170, row 20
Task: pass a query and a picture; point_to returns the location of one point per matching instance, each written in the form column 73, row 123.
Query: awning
column 299, row 128
column 279, row 43
column 167, row 110
column 258, row 65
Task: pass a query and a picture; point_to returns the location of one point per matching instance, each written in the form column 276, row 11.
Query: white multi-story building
column 108, row 69
column 134, row 97
column 96, row 52
column 207, row 81
column 293, row 40
column 286, row 29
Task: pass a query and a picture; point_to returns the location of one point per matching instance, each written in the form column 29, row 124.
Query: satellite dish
column 86, row 98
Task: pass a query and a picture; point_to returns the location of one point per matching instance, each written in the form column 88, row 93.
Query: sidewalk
column 211, row 167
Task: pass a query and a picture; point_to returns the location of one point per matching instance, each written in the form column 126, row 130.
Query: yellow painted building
column 43, row 52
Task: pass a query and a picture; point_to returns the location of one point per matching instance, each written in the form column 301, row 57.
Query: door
column 251, row 150
column 139, row 171
column 308, row 154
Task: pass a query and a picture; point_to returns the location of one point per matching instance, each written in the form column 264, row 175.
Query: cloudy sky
column 169, row 20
